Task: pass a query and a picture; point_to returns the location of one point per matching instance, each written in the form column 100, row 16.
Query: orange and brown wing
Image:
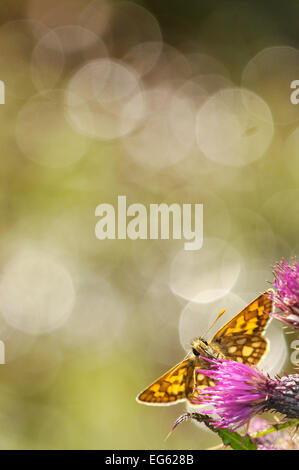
column 170, row 388
column 241, row 339
column 177, row 384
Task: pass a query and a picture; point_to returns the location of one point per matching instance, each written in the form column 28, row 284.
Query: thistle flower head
column 286, row 295
column 242, row 392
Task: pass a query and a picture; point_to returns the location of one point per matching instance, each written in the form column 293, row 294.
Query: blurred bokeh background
column 161, row 101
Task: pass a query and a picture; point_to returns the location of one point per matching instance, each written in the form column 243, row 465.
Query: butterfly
column 241, row 340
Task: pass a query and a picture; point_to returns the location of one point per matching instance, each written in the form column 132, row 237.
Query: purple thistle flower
column 242, row 392
column 286, row 295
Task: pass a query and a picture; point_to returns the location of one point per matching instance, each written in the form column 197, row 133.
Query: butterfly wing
column 174, row 386
column 169, row 388
column 241, row 339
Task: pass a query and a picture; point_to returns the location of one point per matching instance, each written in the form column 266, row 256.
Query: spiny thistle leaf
column 235, row 440
column 231, row 438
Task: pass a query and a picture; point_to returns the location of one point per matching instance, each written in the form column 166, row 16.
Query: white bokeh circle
column 144, row 56
column 104, row 99
column 234, row 127
column 166, row 134
column 37, row 294
column 205, row 275
column 269, row 74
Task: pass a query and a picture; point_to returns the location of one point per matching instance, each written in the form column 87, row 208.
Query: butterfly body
column 200, row 347
column 241, row 340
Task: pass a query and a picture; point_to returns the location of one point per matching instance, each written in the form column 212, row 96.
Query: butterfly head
column 200, row 347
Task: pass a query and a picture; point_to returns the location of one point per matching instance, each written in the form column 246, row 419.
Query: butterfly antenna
column 211, row 326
